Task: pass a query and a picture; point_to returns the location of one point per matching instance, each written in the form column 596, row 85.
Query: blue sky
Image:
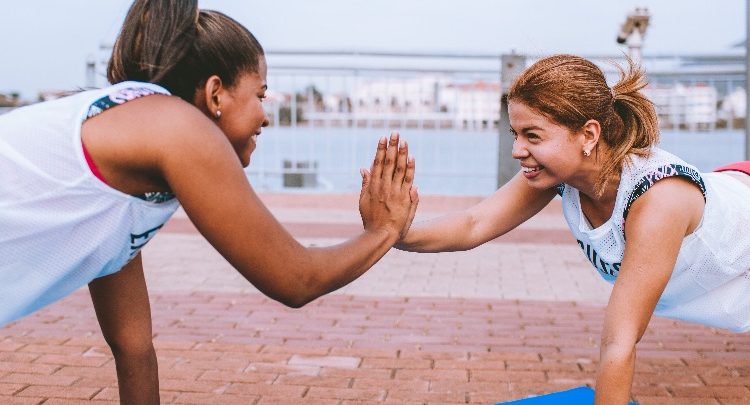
column 45, row 43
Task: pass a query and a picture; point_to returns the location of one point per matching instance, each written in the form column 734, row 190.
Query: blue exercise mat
column 575, row 396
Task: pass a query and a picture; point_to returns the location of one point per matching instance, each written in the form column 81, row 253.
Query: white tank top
column 710, row 283
column 60, row 226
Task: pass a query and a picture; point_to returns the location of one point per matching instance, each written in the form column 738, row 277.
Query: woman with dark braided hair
column 673, row 241
column 87, row 180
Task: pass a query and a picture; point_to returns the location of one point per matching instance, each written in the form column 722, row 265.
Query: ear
column 590, row 131
column 209, row 97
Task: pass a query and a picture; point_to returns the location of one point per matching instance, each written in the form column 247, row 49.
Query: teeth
column 531, row 169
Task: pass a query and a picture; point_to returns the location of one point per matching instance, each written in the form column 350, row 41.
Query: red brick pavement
column 247, row 349
column 232, row 348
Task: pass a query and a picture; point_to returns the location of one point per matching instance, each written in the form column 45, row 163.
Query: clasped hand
column 388, row 199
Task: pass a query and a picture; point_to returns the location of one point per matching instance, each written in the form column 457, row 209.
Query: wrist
column 388, row 235
column 402, row 243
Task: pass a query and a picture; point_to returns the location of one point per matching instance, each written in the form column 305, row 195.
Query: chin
column 542, row 184
column 246, row 157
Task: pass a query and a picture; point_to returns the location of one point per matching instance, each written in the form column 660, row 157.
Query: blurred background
column 344, row 72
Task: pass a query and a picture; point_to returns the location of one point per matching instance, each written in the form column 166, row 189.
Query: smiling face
column 242, row 113
column 549, row 153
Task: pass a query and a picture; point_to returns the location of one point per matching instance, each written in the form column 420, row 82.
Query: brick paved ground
column 516, row 317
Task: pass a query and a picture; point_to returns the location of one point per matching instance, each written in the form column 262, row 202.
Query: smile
column 532, row 169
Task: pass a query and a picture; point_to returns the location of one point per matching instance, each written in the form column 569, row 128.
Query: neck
column 588, row 176
column 609, row 194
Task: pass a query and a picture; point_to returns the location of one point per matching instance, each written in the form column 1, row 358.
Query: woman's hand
column 388, row 199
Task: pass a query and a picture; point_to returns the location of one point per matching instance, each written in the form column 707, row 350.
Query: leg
column 124, row 314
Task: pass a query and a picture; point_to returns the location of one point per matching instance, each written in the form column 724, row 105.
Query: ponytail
column 177, row 46
column 636, row 125
column 155, row 37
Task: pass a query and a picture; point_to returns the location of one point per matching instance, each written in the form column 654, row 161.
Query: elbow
column 294, row 302
column 618, row 351
column 472, row 232
column 301, row 290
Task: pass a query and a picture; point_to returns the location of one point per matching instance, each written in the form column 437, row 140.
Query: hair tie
column 614, row 95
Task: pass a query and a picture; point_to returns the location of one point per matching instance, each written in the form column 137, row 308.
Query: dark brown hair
column 571, row 90
column 177, row 46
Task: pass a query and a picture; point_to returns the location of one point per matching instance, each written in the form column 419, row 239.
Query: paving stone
column 515, row 317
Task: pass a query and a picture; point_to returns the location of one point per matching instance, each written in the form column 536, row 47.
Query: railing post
column 510, row 67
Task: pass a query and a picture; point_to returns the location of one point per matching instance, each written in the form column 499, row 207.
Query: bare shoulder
column 674, row 190
column 676, row 199
column 136, row 145
column 158, row 114
column 150, row 128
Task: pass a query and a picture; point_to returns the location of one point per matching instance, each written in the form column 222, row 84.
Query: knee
column 131, row 346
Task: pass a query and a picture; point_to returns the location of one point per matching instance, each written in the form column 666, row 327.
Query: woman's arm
column 124, row 314
column 508, row 207
column 654, row 232
column 165, row 139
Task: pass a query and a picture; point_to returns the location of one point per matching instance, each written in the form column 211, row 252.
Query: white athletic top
column 60, row 226
column 710, row 283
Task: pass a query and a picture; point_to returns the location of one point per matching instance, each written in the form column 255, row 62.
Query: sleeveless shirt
column 60, row 226
column 710, row 283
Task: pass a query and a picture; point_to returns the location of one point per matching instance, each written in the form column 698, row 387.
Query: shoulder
column 158, row 120
column 641, row 174
column 152, row 130
column 161, row 111
column 674, row 201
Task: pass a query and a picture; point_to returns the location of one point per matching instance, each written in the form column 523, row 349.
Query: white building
column 687, row 107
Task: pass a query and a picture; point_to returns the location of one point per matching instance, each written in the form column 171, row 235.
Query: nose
column 265, row 121
column 519, row 150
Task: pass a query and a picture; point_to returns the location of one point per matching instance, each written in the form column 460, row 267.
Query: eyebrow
column 529, row 128
column 532, row 128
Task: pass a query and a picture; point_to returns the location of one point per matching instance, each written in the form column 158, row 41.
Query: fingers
column 377, row 164
column 390, row 160
column 365, row 181
column 402, row 159
column 409, row 174
column 414, row 195
column 365, row 177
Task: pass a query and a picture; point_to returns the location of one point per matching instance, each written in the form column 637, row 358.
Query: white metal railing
column 328, row 108
column 348, row 94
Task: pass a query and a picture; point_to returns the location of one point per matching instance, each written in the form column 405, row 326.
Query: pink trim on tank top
column 92, row 165
column 743, row 167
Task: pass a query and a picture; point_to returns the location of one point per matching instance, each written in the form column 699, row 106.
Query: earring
column 218, row 114
column 586, row 153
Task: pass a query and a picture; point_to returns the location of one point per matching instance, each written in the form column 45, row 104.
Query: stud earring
column 218, row 114
column 586, row 153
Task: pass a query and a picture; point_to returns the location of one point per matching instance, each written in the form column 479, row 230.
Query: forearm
column 448, row 233
column 345, row 262
column 615, row 377
column 316, row 271
column 138, row 378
